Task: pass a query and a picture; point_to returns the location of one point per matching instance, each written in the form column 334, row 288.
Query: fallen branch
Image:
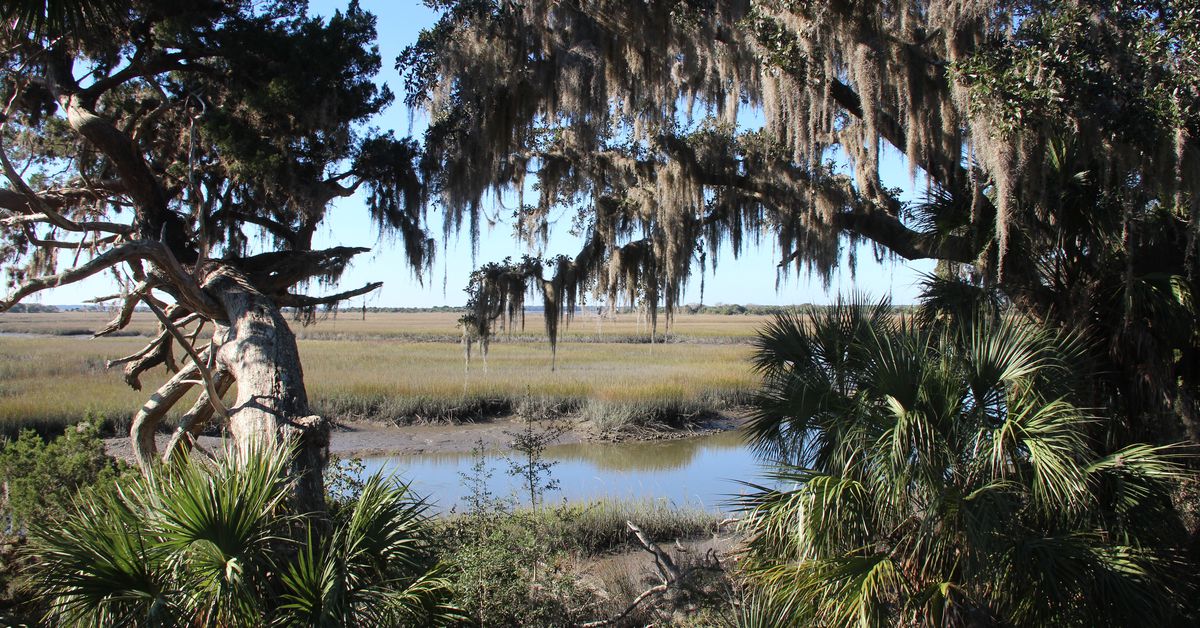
column 671, row 574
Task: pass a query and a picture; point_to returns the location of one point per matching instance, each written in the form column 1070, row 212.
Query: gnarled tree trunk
column 258, row 351
column 261, row 354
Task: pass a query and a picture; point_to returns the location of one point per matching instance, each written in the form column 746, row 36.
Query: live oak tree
column 190, row 150
column 1056, row 141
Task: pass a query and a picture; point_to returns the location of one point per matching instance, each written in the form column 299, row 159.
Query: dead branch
column 109, row 297
column 671, row 575
column 145, row 422
column 667, row 566
column 133, row 250
column 186, row 289
column 126, row 313
column 303, row 300
column 214, row 397
column 85, row 243
column 80, row 226
column 192, row 423
column 278, row 270
column 196, row 332
column 158, row 351
column 648, row 593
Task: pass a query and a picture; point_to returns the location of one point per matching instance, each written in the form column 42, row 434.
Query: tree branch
column 303, row 300
column 890, row 232
column 276, row 228
column 76, row 226
column 133, row 250
column 82, row 244
column 209, row 386
column 31, row 198
column 145, row 422
column 157, row 64
column 275, row 272
column 127, row 307
column 192, row 423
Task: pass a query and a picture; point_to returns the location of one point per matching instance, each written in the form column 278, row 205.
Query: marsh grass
column 586, row 326
column 614, row 385
column 595, row 527
column 50, row 381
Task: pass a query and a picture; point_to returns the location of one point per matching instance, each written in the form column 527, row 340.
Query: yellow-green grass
column 72, row 323
column 48, row 381
column 586, row 326
column 404, row 381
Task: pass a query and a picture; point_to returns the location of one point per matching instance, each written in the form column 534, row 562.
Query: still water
column 699, row 472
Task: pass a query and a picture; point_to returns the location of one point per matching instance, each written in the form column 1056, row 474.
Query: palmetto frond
column 98, row 567
column 221, row 526
column 212, row 544
column 941, row 465
column 376, row 568
column 214, row 529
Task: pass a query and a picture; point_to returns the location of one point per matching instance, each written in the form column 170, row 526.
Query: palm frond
column 54, row 18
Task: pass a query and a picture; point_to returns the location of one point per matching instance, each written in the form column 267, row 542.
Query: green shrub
column 503, row 564
column 40, row 478
column 214, row 544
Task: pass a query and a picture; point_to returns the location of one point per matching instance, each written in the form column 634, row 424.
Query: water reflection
column 696, row 472
column 647, row 455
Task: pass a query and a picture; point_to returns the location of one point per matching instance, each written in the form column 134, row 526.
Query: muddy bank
column 368, row 439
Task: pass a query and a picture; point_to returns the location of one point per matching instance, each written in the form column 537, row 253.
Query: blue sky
column 750, row 279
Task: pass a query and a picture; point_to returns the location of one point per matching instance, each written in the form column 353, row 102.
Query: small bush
column 40, row 478
column 504, row 569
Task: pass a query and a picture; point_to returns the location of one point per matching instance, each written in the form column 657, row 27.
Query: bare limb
column 32, row 199
column 210, row 387
column 188, row 290
column 192, row 423
column 126, row 313
column 145, row 422
column 671, row 574
column 133, row 250
column 670, row 571
column 302, row 300
column 648, row 593
column 79, row 226
column 158, row 351
column 156, row 64
column 277, row 271
column 276, row 228
column 85, row 243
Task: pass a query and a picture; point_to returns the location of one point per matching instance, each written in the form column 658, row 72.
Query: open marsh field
column 408, row 367
column 586, row 326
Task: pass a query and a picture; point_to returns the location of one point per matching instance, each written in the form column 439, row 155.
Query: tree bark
column 260, row 353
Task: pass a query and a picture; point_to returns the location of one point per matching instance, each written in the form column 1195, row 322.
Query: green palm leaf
column 947, row 478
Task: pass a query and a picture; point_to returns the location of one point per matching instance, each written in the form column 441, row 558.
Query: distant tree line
column 33, row 308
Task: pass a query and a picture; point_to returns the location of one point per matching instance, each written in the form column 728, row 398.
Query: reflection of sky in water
column 698, row 472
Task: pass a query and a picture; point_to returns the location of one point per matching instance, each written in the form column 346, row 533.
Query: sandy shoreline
column 368, row 440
